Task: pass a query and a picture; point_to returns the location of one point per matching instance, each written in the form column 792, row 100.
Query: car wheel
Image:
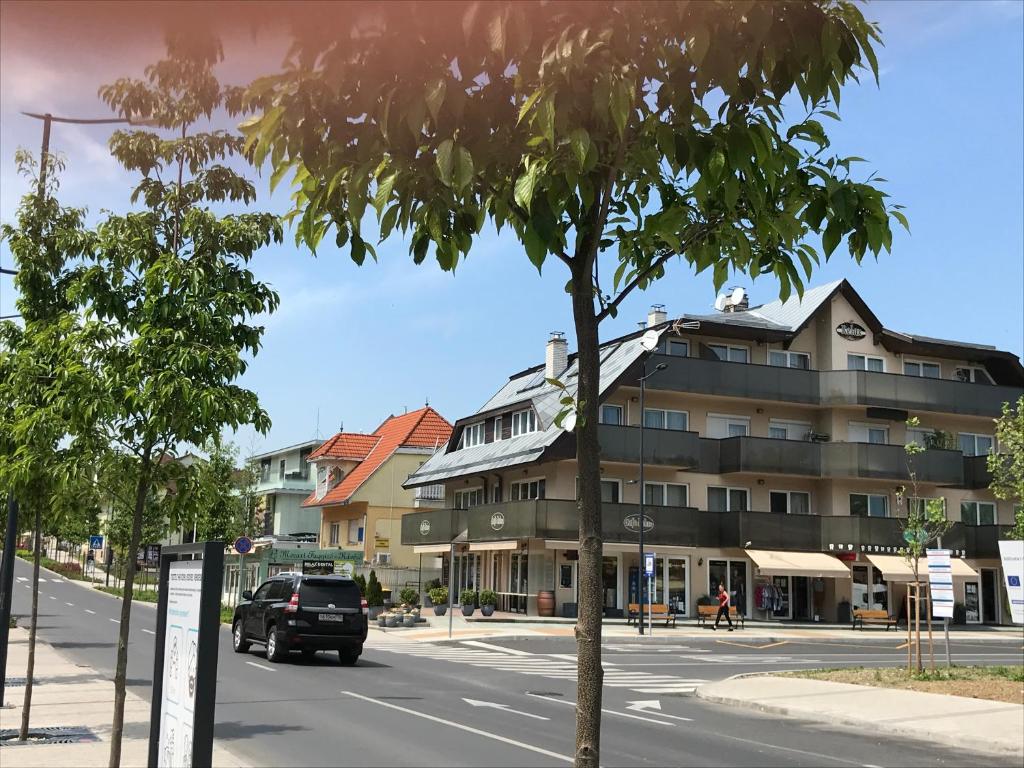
column 238, row 641
column 348, row 658
column 275, row 649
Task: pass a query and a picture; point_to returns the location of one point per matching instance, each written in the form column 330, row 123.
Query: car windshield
column 323, row 592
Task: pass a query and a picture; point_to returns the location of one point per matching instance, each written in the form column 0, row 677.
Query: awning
column 491, row 546
column 611, row 547
column 431, row 549
column 773, row 563
column 895, row 568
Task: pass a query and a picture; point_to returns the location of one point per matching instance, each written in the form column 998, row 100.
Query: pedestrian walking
column 723, row 607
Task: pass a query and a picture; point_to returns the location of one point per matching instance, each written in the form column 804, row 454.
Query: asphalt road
column 506, row 702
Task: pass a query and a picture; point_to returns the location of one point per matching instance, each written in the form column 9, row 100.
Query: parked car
column 307, row 613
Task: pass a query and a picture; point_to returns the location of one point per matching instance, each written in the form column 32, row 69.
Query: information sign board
column 1012, row 555
column 95, row 542
column 181, row 647
column 940, row 582
column 649, row 563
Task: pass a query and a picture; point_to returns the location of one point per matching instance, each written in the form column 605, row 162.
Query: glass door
column 989, row 593
column 779, row 599
column 675, row 580
column 972, row 602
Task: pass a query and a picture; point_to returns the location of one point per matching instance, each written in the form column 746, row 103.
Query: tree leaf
column 383, row 193
column 829, row 240
column 434, row 97
column 524, row 187
column 463, row 172
column 444, row 161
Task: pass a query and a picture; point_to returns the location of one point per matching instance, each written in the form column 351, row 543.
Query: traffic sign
column 95, row 542
column 648, row 563
column 243, row 545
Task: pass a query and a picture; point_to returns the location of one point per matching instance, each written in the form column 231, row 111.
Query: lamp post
column 643, row 382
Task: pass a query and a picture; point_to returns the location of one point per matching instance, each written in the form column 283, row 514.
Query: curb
column 907, row 732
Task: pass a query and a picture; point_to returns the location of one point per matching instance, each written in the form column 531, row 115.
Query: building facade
column 774, row 456
column 358, row 495
column 283, row 482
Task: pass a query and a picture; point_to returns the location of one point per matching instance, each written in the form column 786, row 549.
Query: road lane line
column 51, row 597
column 502, row 649
column 461, row 727
column 606, row 711
column 261, row 666
column 149, row 631
column 71, row 604
column 92, row 612
column 116, row 621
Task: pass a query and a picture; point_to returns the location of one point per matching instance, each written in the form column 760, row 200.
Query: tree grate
column 48, row 735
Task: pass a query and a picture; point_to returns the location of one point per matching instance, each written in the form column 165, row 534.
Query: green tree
column 211, row 495
column 1007, row 466
column 615, row 137
column 166, row 296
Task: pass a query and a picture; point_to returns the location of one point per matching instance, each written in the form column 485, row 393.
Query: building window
column 728, row 499
column 655, row 418
column 497, row 428
column 496, row 494
column 523, row 490
column 977, row 513
column 720, row 426
column 470, row 497
column 730, row 354
column 335, row 532
column 867, row 433
column 865, row 363
column 524, row 422
column 304, row 463
column 919, row 368
column 678, row 348
column 786, row 359
column 976, row 445
column 790, row 502
column 921, row 505
column 788, row 430
column 973, row 375
column 472, row 434
column 869, row 505
column 611, row 414
column 611, row 491
column 666, row 494
column 265, row 470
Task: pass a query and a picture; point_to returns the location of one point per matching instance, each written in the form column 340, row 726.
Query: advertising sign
column 318, row 567
column 153, row 555
column 1012, row 554
column 940, row 581
column 181, row 645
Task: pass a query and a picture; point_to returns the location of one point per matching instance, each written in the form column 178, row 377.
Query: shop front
column 801, row 586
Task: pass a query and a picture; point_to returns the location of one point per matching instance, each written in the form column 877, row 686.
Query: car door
column 257, row 610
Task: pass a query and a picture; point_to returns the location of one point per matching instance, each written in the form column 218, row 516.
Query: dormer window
column 326, row 479
column 524, row 422
column 472, row 434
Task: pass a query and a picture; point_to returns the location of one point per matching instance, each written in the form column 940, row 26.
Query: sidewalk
column 984, row 726
column 71, row 695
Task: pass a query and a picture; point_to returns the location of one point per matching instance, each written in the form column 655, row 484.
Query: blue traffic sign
column 243, row 545
column 95, row 542
column 648, row 564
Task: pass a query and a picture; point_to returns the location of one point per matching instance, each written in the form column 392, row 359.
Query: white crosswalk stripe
column 559, row 666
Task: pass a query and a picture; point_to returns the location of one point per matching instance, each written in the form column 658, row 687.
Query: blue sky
column 352, row 345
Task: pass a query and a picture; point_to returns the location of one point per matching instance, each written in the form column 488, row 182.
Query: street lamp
column 648, row 341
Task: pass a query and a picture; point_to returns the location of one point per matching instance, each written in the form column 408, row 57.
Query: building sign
column 181, row 646
column 318, row 567
column 497, row 521
column 1012, row 555
column 632, row 523
column 298, row 555
column 940, row 583
column 851, row 331
column 380, row 542
column 424, row 527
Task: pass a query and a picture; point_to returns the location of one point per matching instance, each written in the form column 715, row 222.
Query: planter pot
column 486, row 610
column 390, row 620
column 374, row 612
column 388, row 605
column 409, row 620
column 467, row 610
column 381, row 620
column 440, row 610
column 427, row 602
column 545, row 603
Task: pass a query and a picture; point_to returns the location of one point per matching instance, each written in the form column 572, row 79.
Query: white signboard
column 1012, row 554
column 940, row 581
column 181, row 643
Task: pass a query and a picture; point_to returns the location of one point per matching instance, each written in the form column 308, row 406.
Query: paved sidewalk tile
column 69, row 694
column 984, row 726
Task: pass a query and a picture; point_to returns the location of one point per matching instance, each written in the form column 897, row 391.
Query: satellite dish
column 649, row 340
column 737, row 296
column 569, row 422
column 720, row 303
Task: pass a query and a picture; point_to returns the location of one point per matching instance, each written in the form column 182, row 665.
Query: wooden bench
column 706, row 612
column 864, row 616
column 658, row 612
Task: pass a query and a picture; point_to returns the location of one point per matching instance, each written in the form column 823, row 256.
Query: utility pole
column 640, row 575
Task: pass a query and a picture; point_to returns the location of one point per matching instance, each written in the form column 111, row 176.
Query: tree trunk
column 30, row 670
column 590, row 675
column 121, row 668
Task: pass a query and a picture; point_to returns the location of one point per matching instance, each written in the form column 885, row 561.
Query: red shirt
column 723, row 598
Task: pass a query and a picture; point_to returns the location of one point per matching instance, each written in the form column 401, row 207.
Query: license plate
column 331, row 617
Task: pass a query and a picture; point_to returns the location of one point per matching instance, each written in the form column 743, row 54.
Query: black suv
column 296, row 612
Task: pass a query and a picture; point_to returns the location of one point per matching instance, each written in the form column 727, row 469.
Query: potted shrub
column 439, row 597
column 468, row 601
column 409, row 596
column 390, row 619
column 409, row 620
column 374, row 597
column 488, row 601
column 431, row 585
column 360, row 581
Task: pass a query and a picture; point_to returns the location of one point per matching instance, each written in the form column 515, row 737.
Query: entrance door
column 610, row 582
column 675, row 580
column 972, row 602
column 781, row 605
column 989, row 596
column 801, row 598
column 732, row 574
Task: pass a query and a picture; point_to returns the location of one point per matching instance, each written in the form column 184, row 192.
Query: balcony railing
column 830, row 388
column 891, row 462
column 768, row 455
column 667, row 447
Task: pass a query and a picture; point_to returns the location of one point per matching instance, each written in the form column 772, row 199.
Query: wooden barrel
column 545, row 603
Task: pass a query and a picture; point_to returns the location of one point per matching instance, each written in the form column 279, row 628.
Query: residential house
column 773, row 444
column 283, row 481
column 359, row 494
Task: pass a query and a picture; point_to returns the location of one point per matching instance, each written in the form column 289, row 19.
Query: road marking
column 51, row 597
column 116, row 621
column 754, row 647
column 149, row 631
column 461, row 727
column 490, row 647
column 71, row 604
column 655, row 705
column 899, row 647
column 23, row 578
column 502, row 707
column 261, row 666
column 606, row 711
column 92, row 612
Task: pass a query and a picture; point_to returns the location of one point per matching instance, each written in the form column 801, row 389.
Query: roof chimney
column 657, row 315
column 556, row 357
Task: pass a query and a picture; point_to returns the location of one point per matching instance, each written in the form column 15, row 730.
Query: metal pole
column 7, row 587
column 419, row 585
column 931, row 646
column 639, row 575
column 910, row 637
column 451, row 587
column 241, row 575
column 917, row 623
column 945, row 631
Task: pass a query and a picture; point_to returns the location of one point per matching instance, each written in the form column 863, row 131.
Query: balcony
column 829, row 388
column 767, row 455
column 976, row 473
column 429, row 496
column 287, row 484
column 873, row 460
column 664, row 447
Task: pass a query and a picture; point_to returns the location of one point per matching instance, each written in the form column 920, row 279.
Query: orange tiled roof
column 346, row 445
column 423, row 428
